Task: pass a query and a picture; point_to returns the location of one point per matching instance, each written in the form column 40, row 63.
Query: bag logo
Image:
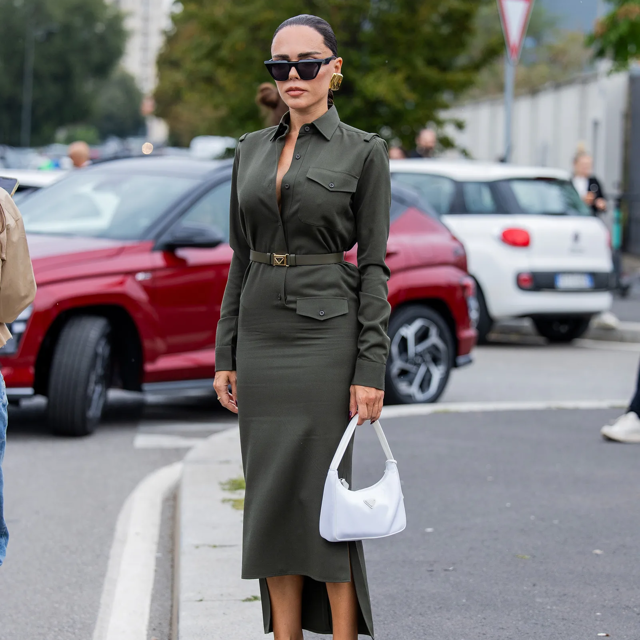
column 370, row 503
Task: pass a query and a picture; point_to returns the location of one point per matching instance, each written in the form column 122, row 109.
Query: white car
column 533, row 247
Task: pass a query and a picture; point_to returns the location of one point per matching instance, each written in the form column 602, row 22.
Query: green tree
column 77, row 44
column 617, row 35
column 117, row 106
column 403, row 61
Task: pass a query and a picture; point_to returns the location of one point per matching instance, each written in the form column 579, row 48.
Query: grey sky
column 575, row 14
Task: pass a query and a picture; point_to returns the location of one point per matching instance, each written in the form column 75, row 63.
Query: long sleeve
column 371, row 206
column 18, row 284
column 227, row 329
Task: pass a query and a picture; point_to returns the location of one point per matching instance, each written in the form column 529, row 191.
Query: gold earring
column 336, row 81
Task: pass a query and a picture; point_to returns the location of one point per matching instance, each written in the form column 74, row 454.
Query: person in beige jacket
column 17, row 291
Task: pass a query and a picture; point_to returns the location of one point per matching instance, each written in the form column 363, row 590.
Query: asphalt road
column 521, row 525
column 63, row 497
column 628, row 309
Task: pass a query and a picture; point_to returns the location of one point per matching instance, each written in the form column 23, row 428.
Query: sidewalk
column 518, row 327
column 213, row 602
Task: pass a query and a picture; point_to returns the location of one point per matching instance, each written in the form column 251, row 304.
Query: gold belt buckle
column 280, row 259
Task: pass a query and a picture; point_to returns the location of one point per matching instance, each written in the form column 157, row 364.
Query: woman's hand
column 366, row 401
column 221, row 386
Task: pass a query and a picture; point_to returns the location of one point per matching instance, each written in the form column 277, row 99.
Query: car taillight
column 516, row 237
column 525, row 280
column 468, row 285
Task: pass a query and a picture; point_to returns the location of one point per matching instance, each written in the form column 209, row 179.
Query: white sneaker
column 625, row 429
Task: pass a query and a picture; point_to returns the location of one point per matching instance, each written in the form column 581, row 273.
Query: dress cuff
column 369, row 374
column 225, row 359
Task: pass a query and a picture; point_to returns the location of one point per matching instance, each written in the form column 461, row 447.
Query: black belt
column 295, row 260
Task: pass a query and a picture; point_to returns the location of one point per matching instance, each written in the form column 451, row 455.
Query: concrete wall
column 549, row 125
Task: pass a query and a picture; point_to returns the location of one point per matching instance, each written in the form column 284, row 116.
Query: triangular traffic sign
column 515, row 15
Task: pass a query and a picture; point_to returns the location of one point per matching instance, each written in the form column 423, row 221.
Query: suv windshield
column 102, row 204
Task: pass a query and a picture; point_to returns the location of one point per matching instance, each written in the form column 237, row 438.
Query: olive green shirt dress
column 298, row 337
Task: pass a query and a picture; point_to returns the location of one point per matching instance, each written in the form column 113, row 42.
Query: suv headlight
column 17, row 329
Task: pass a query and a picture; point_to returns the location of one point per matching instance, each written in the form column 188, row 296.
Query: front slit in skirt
column 294, row 374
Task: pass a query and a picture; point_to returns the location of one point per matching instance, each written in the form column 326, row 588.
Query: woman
column 17, row 291
column 586, row 184
column 302, row 334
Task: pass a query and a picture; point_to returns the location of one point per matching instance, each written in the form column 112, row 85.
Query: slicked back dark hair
column 322, row 27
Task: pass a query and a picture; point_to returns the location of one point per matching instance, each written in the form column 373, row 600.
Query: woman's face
column 583, row 166
column 303, row 43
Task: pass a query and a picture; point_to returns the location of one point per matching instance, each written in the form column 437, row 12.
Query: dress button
column 306, row 128
column 332, row 185
column 321, row 313
column 298, row 156
column 286, row 186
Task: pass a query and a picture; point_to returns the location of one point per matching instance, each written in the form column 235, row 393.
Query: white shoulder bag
column 374, row 512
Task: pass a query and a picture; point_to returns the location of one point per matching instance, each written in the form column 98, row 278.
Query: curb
column 624, row 332
column 212, row 601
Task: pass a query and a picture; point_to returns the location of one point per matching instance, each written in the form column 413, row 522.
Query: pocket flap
column 322, row 308
column 333, row 180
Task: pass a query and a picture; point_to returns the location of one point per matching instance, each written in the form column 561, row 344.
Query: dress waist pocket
column 322, row 308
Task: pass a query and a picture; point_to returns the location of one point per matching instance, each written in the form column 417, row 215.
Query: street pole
column 509, row 82
column 27, row 85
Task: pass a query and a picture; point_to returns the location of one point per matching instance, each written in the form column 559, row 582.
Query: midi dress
column 298, row 337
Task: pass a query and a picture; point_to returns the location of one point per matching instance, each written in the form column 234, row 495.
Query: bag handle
column 346, row 438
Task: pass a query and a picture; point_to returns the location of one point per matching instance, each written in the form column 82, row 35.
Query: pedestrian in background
column 396, row 152
column 627, row 427
column 272, row 106
column 426, row 142
column 79, row 153
column 17, row 291
column 586, row 184
column 304, row 348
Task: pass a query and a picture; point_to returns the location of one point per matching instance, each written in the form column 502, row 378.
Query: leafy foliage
column 77, row 44
column 404, row 61
column 617, row 35
column 116, row 109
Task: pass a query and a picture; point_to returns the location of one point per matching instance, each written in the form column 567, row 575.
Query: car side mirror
column 192, row 236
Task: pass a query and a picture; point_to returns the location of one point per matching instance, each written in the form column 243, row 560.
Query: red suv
column 131, row 260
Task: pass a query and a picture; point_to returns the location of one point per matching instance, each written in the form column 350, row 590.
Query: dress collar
column 326, row 124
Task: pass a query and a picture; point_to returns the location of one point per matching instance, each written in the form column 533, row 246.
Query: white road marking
column 164, row 441
column 128, row 585
column 193, row 427
column 400, row 411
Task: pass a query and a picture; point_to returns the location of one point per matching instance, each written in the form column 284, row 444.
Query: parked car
column 131, row 260
column 534, row 248
column 30, row 180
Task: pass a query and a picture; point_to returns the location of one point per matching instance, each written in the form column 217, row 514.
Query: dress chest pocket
column 327, row 195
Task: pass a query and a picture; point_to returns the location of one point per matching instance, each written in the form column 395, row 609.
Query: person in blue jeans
column 4, row 533
column 17, row 292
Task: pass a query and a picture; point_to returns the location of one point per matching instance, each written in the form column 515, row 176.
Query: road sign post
column 514, row 15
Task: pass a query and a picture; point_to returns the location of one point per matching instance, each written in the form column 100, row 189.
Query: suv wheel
column 421, row 355
column 562, row 329
column 80, row 374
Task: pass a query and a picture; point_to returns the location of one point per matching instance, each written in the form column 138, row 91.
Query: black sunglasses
column 307, row 69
